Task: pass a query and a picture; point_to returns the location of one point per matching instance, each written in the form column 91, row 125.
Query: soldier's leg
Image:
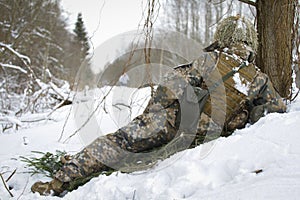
column 207, row 130
column 147, row 131
column 154, row 128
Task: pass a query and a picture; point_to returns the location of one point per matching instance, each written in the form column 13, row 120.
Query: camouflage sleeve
column 263, row 98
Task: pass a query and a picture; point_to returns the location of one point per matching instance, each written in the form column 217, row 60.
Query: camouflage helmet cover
column 235, row 29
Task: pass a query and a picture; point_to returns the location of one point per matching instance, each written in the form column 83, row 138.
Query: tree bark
column 275, row 20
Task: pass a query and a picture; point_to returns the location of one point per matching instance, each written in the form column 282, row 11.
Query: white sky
column 105, row 18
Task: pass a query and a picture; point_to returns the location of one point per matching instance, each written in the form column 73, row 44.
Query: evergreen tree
column 81, row 36
column 37, row 51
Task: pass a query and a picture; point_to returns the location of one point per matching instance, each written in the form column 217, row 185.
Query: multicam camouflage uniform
column 161, row 122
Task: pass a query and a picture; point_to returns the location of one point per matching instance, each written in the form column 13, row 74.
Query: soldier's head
column 236, row 29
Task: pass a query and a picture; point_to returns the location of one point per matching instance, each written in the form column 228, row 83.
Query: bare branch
column 6, row 186
column 22, row 57
column 216, row 3
column 88, row 119
column 249, row 2
column 26, row 60
column 11, row 175
column 23, row 189
column 14, row 67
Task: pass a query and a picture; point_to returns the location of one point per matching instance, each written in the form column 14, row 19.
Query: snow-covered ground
column 226, row 172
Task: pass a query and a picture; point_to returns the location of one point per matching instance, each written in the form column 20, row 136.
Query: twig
column 133, row 198
column 13, row 67
column 216, row 3
column 97, row 28
column 249, row 2
column 295, row 96
column 65, row 124
column 86, row 121
column 25, row 60
column 6, row 186
column 62, row 103
column 229, row 6
column 38, row 120
column 11, row 175
column 118, row 105
column 23, row 189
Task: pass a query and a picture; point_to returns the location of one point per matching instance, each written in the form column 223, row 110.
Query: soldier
column 183, row 111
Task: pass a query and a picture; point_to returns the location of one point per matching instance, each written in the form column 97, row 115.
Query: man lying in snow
column 183, row 114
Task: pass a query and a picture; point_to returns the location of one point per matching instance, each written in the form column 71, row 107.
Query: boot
column 45, row 188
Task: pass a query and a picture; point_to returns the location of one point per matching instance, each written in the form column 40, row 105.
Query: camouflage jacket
column 173, row 119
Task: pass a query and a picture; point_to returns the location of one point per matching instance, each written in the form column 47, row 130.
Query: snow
column 221, row 169
column 25, row 58
column 10, row 119
column 14, row 67
column 124, row 79
column 241, row 84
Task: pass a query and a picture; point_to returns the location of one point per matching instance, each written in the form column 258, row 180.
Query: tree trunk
column 274, row 25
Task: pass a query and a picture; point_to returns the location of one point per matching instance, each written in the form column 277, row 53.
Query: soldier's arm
column 263, row 98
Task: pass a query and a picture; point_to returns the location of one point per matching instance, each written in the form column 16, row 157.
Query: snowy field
column 271, row 147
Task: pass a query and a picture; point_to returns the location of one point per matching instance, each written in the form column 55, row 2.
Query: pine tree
column 81, row 35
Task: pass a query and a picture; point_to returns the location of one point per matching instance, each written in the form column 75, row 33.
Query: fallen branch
column 6, row 186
